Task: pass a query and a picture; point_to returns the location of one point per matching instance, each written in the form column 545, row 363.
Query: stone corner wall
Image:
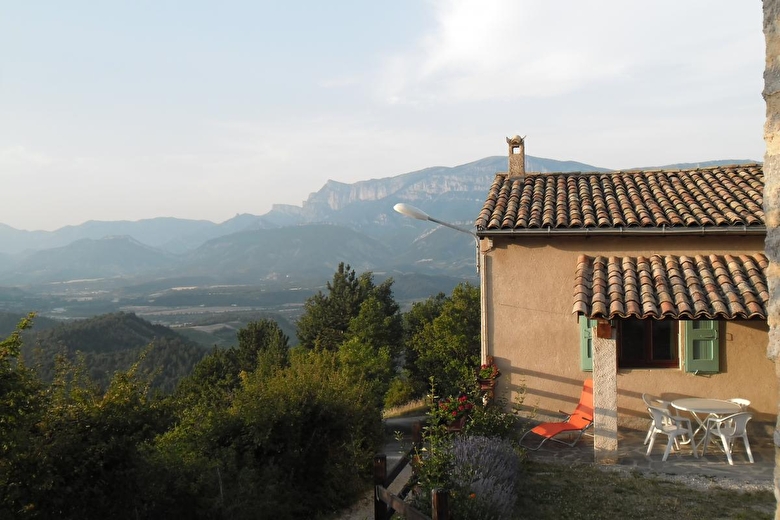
column 772, row 195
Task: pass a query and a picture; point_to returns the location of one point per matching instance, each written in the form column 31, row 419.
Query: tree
column 261, row 336
column 21, row 407
column 325, row 323
column 326, row 316
column 261, row 342
column 82, row 456
column 414, row 321
column 447, row 347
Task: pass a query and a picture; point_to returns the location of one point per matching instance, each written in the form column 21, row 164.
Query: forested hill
column 9, row 321
column 113, row 342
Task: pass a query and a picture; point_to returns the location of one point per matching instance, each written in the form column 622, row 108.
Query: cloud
column 508, row 50
column 18, row 155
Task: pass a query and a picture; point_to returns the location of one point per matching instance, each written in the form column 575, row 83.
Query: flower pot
column 457, row 425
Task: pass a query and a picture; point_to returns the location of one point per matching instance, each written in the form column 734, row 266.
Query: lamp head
column 410, row 211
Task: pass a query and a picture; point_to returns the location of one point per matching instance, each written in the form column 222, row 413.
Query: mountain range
column 288, row 247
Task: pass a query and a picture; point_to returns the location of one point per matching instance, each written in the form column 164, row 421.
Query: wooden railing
column 386, row 504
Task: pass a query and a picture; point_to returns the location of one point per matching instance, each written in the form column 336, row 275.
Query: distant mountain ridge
column 353, row 223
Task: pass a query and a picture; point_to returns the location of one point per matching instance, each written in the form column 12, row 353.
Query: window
column 658, row 343
column 647, row 343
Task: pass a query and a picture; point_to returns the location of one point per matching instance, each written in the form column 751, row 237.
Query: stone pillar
column 772, row 196
column 605, row 441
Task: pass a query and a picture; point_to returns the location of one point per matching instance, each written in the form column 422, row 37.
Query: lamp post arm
column 462, row 230
column 412, row 212
column 456, row 228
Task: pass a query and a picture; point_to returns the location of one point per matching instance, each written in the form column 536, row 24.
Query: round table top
column 706, row 405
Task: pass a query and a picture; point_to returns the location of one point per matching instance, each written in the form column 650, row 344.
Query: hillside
column 308, row 252
column 87, row 258
column 114, row 342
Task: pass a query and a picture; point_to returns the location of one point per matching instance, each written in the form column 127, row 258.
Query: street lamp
column 412, row 212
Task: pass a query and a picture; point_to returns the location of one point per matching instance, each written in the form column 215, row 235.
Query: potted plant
column 454, row 411
column 487, row 374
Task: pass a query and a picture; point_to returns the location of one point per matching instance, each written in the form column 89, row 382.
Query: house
column 666, row 265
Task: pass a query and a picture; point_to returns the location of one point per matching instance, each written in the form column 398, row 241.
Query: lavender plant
column 484, row 476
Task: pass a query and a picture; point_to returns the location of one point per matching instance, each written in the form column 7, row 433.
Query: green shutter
column 702, row 352
column 586, row 343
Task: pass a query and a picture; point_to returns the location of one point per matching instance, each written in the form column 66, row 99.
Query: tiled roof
column 679, row 287
column 719, row 196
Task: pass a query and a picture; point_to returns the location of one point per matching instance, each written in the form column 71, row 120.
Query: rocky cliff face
column 427, row 184
column 420, row 185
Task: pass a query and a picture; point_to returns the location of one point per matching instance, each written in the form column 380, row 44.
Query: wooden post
column 417, row 434
column 440, row 504
column 417, row 443
column 380, row 474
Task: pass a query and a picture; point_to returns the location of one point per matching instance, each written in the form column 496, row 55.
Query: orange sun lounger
column 579, row 421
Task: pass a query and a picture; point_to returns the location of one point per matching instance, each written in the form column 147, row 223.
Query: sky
column 128, row 110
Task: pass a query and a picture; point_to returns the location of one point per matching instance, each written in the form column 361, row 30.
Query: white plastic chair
column 729, row 428
column 651, row 401
column 669, row 426
column 743, row 403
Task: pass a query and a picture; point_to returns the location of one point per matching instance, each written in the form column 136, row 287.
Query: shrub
column 481, row 473
column 401, row 391
column 294, row 442
column 480, row 468
column 492, row 421
column 484, row 477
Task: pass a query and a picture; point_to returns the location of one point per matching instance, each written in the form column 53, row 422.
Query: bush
column 492, row 421
column 400, row 392
column 293, row 442
column 481, row 474
column 484, row 476
column 480, row 467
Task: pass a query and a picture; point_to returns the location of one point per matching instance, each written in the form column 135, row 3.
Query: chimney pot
column 516, row 156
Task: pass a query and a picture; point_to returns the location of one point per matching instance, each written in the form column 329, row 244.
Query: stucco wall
column 535, row 337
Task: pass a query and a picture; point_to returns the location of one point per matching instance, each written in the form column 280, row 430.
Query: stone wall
column 772, row 194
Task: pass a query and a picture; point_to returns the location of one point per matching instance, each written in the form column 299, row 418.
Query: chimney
column 516, row 156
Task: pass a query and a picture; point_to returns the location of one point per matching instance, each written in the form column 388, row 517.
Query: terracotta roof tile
column 717, row 196
column 677, row 287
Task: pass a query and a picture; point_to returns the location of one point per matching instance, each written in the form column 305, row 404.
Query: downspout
column 483, row 281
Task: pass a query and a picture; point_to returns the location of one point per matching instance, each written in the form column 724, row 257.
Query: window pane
column 632, row 340
column 663, row 344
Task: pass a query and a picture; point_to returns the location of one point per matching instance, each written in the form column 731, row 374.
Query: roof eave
column 625, row 231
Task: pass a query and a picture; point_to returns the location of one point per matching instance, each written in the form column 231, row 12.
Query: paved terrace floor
column 712, row 468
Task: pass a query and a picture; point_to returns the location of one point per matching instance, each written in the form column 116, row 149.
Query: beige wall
column 535, row 337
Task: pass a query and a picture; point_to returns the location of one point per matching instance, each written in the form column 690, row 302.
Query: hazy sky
column 124, row 110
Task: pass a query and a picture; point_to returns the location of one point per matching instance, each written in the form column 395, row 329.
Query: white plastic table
column 705, row 407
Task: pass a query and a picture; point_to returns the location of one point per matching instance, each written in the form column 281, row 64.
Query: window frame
column 692, row 357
